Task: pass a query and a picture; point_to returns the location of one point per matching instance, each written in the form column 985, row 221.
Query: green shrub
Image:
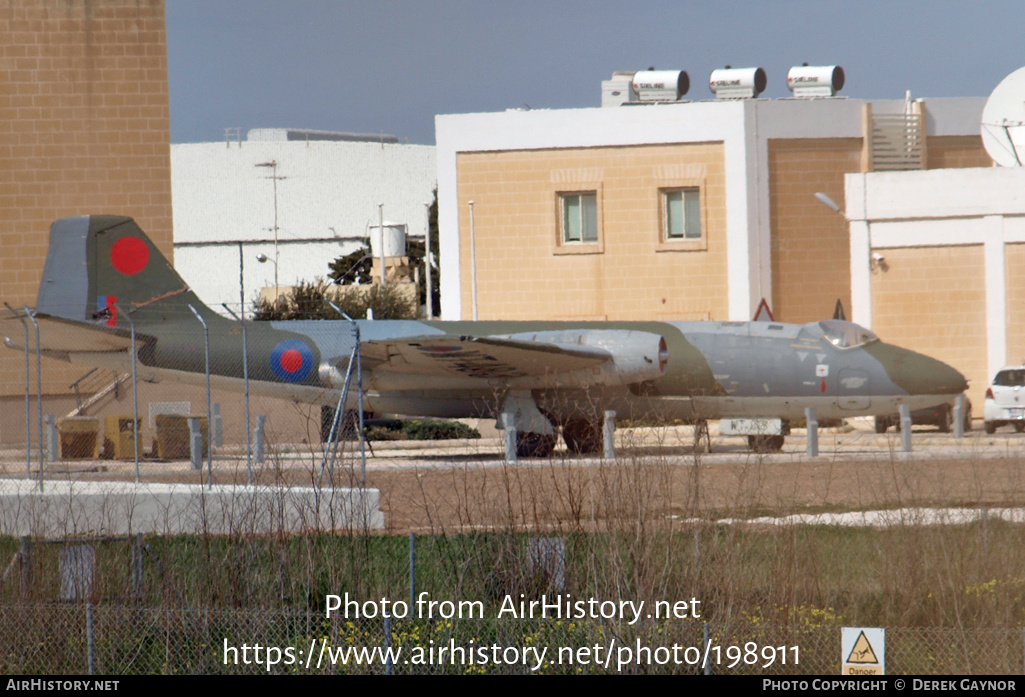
column 419, row 429
column 438, row 430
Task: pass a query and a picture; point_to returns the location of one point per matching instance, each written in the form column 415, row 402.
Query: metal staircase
column 93, row 387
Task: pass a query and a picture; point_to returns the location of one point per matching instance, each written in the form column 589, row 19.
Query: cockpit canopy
column 841, row 334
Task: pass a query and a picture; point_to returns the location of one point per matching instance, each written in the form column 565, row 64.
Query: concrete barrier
column 121, row 508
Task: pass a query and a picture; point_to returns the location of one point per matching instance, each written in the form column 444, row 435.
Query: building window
column 579, row 217
column 681, row 214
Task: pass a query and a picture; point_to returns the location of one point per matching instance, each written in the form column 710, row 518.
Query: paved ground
column 656, row 478
column 855, row 471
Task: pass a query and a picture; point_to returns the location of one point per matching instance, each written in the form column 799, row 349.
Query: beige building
column 938, row 264
column 698, row 210
column 693, row 210
column 84, row 128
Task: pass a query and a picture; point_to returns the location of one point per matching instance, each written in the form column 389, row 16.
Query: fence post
column 135, row 388
column 905, row 427
column 209, row 411
column 509, row 431
column 259, row 444
column 705, row 650
column 90, row 639
column 25, row 566
column 412, row 570
column 812, row 424
column 196, row 444
column 137, row 569
column 959, row 409
column 358, row 354
column 387, row 642
column 608, row 435
column 216, row 427
column 245, row 365
column 53, row 447
column 28, row 391
column 39, row 391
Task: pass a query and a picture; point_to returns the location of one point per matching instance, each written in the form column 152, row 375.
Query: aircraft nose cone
column 918, row 374
column 938, row 377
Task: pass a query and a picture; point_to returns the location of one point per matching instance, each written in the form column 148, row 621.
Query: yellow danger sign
column 863, row 651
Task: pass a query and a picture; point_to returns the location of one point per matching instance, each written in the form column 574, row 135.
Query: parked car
column 941, row 416
column 1005, row 400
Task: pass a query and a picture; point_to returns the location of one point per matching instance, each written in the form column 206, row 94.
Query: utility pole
column 273, row 164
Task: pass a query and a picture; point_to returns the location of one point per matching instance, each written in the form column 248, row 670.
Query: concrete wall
column 956, row 152
column 119, row 508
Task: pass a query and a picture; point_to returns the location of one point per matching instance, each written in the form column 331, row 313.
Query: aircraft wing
column 479, row 357
column 62, row 336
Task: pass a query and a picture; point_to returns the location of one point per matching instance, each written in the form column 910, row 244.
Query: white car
column 1005, row 400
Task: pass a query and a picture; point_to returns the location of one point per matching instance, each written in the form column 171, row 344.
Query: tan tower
column 84, row 129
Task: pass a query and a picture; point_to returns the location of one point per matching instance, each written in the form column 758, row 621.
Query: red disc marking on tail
column 291, row 360
column 129, row 255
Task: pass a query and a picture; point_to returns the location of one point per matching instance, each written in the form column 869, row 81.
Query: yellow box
column 119, row 438
column 79, row 437
column 172, row 436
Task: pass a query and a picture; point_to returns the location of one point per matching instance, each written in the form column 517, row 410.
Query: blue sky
column 391, row 65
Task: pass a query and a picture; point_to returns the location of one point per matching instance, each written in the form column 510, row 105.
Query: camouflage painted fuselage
column 103, row 277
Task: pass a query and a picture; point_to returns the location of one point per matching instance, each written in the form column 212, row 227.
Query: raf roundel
column 129, row 255
column 291, row 360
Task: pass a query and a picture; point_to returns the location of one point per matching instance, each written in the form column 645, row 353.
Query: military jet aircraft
column 555, row 376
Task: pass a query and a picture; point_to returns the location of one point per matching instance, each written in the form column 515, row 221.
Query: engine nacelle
column 635, row 356
column 331, row 371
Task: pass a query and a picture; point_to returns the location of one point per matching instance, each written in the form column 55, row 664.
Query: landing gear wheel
column 990, row 427
column 947, row 420
column 535, row 445
column 582, row 437
column 881, row 424
column 765, row 444
column 1019, row 427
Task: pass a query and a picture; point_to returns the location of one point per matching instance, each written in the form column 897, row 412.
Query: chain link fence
column 61, row 421
column 127, row 640
column 202, row 605
column 220, row 407
column 483, row 603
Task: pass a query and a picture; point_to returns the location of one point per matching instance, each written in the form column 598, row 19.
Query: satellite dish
column 1003, row 121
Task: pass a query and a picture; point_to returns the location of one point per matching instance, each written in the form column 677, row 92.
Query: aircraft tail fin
column 98, row 263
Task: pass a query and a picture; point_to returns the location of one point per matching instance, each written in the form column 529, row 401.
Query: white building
column 330, row 187
column 938, row 260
